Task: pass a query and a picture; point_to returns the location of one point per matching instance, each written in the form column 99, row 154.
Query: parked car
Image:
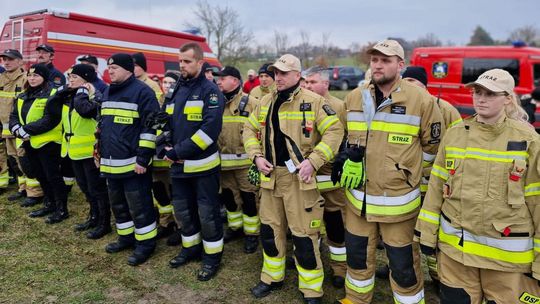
column 345, row 77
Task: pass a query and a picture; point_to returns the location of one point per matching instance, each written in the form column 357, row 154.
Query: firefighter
column 390, row 125
column 126, row 147
column 11, row 85
column 237, row 193
column 195, row 125
column 290, row 135
column 35, row 121
column 161, row 179
column 140, row 73
column 480, row 216
column 80, row 108
column 46, row 56
column 318, row 81
column 267, row 85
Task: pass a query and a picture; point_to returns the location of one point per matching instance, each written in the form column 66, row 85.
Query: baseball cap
column 11, row 53
column 287, row 63
column 495, row 80
column 251, row 72
column 228, row 71
column 388, row 47
column 47, row 48
column 89, row 58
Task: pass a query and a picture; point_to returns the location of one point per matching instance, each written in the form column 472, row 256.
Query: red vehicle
column 73, row 35
column 449, row 68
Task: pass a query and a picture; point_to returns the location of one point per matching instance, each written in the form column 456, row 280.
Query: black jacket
column 210, row 102
column 55, row 76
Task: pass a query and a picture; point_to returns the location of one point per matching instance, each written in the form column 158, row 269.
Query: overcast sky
column 347, row 21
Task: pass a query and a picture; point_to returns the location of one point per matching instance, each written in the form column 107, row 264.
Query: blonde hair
column 513, row 110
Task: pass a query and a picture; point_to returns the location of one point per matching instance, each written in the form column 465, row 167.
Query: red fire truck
column 450, row 68
column 73, row 35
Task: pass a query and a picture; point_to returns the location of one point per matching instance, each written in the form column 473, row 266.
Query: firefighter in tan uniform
column 238, row 195
column 267, row 84
column 140, row 73
column 390, row 124
column 317, row 80
column 11, row 85
column 480, row 210
column 291, row 134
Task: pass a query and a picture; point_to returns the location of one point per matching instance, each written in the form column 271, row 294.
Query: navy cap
column 47, row 48
column 89, row 58
column 12, row 53
column 229, row 71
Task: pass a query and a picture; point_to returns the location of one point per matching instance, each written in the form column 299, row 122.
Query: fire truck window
column 474, row 67
column 537, row 75
column 172, row 65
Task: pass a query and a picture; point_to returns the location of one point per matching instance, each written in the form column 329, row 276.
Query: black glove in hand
column 427, row 250
column 337, row 166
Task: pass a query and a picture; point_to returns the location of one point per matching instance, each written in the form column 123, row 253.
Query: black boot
column 16, row 196
column 166, row 231
column 92, row 220
column 143, row 251
column 123, row 243
column 185, row 256
column 312, row 300
column 104, row 221
column 207, row 272
column 31, row 201
column 250, row 243
column 262, row 289
column 230, row 235
column 175, row 238
column 48, row 207
column 60, row 214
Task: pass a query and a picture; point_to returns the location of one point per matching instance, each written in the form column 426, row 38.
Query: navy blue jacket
column 124, row 139
column 198, row 111
column 55, row 76
column 100, row 85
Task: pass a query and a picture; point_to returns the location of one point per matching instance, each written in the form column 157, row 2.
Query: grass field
column 40, row 263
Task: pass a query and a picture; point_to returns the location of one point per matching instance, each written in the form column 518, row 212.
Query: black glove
column 171, row 154
column 427, row 250
column 157, row 120
column 356, row 154
column 337, row 167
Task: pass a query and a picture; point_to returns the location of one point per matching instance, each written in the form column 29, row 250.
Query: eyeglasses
column 487, row 94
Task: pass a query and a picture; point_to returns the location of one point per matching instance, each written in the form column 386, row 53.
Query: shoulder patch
column 213, row 99
column 57, row 80
column 436, row 130
column 328, row 109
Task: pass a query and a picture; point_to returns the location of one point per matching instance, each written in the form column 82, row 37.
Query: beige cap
column 389, row 48
column 287, row 63
column 251, row 72
column 495, row 80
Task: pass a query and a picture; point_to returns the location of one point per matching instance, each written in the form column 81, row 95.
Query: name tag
column 290, row 166
column 528, row 298
column 123, row 120
column 194, row 117
column 450, row 164
column 400, row 139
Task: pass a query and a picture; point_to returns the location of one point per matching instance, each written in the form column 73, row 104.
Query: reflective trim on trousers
column 190, row 241
column 338, row 254
column 360, row 286
column 252, row 224
column 310, row 279
column 234, row 219
column 126, row 228
column 213, row 247
column 146, row 232
column 274, row 267
column 414, row 299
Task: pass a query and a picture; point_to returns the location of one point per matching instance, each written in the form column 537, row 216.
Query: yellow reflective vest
column 398, row 134
column 34, row 114
column 481, row 208
column 78, row 137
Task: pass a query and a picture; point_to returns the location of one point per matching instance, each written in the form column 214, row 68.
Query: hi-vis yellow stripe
column 297, row 115
column 532, row 189
column 326, row 123
column 440, row 172
column 233, row 119
column 487, row 155
column 382, row 126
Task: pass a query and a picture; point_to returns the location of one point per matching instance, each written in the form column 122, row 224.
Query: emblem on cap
column 439, row 69
column 32, row 70
column 111, row 61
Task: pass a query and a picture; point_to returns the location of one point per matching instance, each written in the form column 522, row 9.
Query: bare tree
column 305, row 48
column 429, row 39
column 227, row 36
column 528, row 34
column 281, row 41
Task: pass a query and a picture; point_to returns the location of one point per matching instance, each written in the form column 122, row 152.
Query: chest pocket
column 193, row 110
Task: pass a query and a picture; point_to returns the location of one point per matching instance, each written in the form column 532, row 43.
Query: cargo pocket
column 313, row 212
column 516, row 191
column 514, row 229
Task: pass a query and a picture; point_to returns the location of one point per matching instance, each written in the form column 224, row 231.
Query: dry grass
column 41, row 263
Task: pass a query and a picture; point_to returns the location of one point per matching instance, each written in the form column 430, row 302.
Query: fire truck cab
column 73, row 35
column 450, row 68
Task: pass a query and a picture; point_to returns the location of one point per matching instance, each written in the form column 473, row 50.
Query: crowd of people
column 389, row 167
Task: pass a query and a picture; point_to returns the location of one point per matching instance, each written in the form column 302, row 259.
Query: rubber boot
column 104, row 223
column 92, row 220
column 60, row 214
column 48, row 207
